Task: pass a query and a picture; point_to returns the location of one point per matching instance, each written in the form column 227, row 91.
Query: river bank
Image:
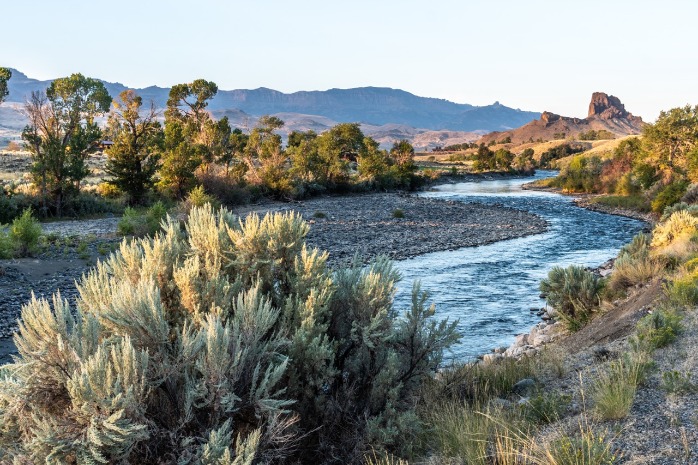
column 587, row 201
column 392, row 224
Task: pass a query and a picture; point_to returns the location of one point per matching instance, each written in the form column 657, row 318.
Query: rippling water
column 492, row 288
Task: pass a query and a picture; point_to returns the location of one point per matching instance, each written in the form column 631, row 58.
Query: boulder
column 524, row 387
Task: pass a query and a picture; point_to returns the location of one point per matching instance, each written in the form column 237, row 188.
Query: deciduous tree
column 185, row 140
column 5, row 75
column 61, row 133
column 671, row 138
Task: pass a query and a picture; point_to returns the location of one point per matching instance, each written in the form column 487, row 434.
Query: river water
column 491, row 289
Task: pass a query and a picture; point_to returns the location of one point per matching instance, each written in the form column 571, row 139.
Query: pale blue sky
column 534, row 55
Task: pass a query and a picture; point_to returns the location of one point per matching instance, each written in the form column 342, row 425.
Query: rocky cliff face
column 606, row 112
column 606, row 106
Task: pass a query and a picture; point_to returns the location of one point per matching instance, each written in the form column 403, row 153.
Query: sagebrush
column 228, row 342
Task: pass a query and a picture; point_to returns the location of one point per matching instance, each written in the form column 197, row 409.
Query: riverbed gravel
column 393, row 224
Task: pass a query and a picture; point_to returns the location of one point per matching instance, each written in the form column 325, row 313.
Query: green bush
column 669, row 195
column 573, row 292
column 545, row 407
column 683, row 291
column 137, row 223
column 198, row 198
column 398, row 213
column 675, row 382
column 626, row 202
column 226, row 342
column 6, row 246
column 24, row 233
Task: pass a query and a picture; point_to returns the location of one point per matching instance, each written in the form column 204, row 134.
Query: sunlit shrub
column 573, row 292
column 679, row 225
column 228, row 342
column 24, row 233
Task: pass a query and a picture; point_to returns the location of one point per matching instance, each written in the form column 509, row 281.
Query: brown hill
column 606, row 113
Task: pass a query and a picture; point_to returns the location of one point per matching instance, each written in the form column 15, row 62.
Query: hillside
column 386, row 114
column 606, row 113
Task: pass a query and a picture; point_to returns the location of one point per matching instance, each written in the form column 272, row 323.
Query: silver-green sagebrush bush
column 229, row 342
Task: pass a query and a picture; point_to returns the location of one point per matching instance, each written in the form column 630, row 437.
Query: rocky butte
column 606, row 112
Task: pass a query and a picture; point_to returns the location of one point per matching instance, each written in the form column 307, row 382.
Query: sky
column 529, row 54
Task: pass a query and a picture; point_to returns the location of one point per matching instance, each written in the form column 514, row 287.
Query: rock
column 542, row 339
column 606, row 106
column 490, row 358
column 501, row 403
column 524, row 387
column 548, row 117
column 521, row 340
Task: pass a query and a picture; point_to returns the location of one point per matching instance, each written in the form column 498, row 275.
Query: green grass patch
column 626, row 202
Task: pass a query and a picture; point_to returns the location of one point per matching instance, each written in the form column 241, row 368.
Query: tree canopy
column 5, row 75
column 138, row 140
column 61, row 133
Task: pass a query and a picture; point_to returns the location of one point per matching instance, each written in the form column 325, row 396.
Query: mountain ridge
column 370, row 105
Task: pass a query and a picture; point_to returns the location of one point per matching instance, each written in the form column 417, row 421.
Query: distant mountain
column 370, row 105
column 606, row 113
column 387, row 115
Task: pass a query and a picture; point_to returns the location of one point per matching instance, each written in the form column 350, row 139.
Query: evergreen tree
column 138, row 139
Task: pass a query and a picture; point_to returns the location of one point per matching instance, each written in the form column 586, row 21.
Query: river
column 491, row 289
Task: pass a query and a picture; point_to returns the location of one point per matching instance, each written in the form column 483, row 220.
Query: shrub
column 229, row 339
column 691, row 195
column 319, row 214
column 586, row 448
column 627, row 202
column 198, row 198
column 629, row 270
column 6, row 246
column 573, row 292
column 683, row 291
column 398, row 213
column 679, row 224
column 659, row 328
column 24, row 233
column 545, row 407
column 675, row 382
column 669, row 195
column 136, row 223
column 108, row 190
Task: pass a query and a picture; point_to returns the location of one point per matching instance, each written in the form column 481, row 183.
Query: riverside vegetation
column 227, row 341
column 149, row 161
column 647, row 173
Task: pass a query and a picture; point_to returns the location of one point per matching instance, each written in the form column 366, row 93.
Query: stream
column 491, row 289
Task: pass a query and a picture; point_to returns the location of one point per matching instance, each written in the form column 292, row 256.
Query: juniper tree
column 138, row 138
column 227, row 342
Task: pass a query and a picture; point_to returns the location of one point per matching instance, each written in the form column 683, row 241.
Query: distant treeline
column 147, row 160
